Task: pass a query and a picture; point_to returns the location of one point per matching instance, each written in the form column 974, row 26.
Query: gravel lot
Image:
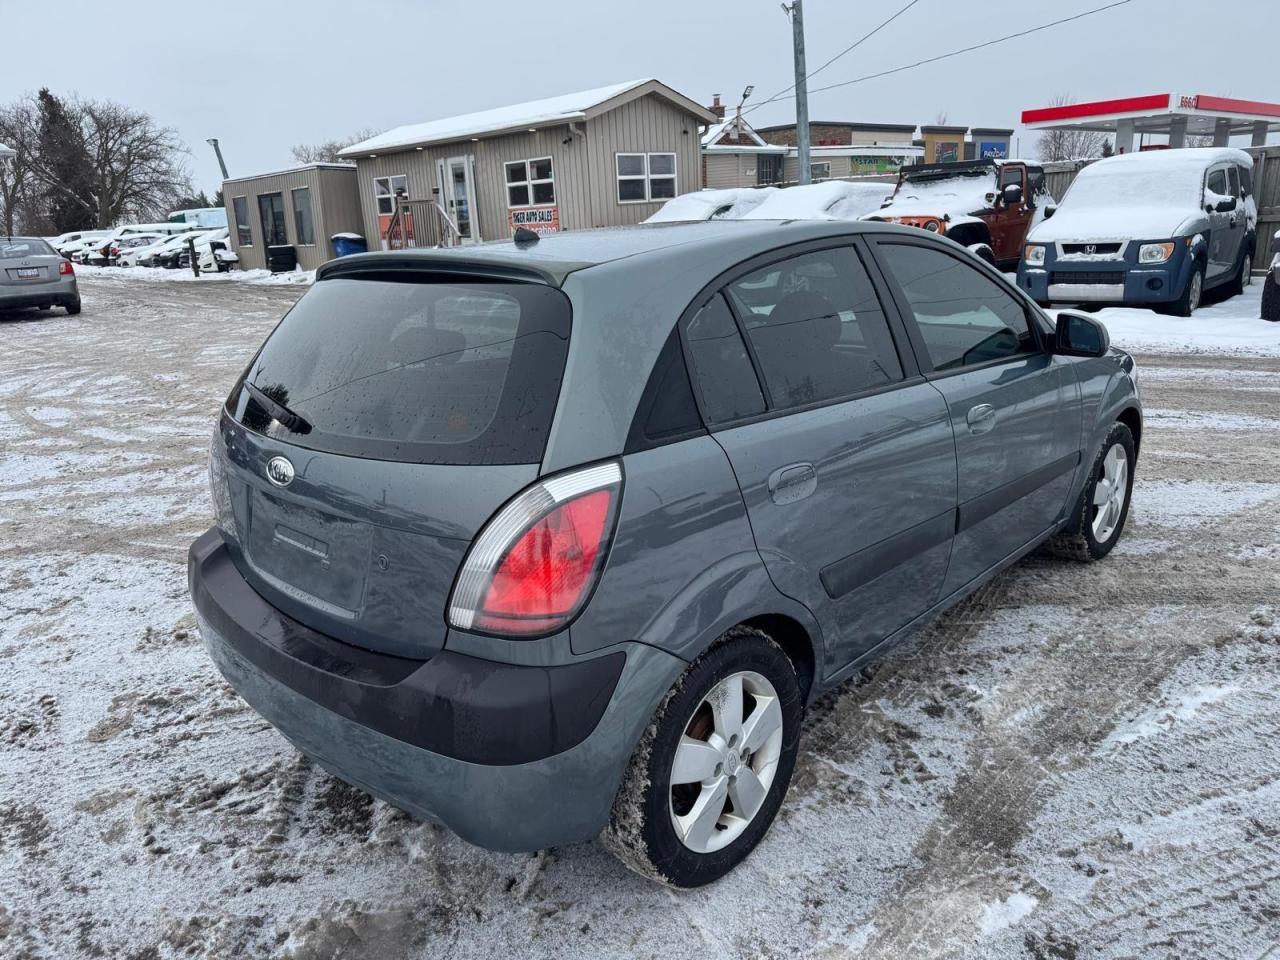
column 1080, row 761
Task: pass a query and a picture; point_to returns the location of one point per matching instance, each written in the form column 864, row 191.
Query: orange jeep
column 985, row 205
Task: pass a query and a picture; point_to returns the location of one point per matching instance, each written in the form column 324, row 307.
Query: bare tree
column 1069, row 144
column 327, row 152
column 98, row 162
column 19, row 188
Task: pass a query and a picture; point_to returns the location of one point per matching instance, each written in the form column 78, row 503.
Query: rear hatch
column 27, row 262
column 425, row 402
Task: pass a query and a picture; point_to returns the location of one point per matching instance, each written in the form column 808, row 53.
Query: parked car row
column 1156, row 229
column 173, row 252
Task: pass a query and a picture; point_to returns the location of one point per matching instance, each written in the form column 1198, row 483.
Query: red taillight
column 543, row 577
column 533, row 566
column 65, row 269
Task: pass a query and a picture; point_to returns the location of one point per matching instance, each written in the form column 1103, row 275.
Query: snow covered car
column 122, row 247
column 65, row 243
column 1271, row 292
column 553, row 538
column 1155, row 228
column 727, row 204
column 213, row 253
column 829, row 200
column 986, row 205
column 136, row 254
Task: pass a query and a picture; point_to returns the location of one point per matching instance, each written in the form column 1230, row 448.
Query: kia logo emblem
column 280, row 471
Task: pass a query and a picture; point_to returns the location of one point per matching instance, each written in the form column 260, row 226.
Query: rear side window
column 1233, row 176
column 816, row 328
column 964, row 316
column 425, row 372
column 721, row 365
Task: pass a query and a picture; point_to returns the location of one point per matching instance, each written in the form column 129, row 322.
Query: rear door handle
column 981, row 419
column 793, row 482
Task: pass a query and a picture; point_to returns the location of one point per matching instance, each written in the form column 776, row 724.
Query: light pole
column 737, row 120
column 796, row 13
column 213, row 142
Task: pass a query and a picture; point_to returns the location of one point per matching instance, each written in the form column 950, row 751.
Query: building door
column 458, row 196
column 271, row 208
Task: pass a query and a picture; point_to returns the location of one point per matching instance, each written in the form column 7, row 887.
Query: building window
column 303, row 224
column 820, row 171
column 386, row 189
column 271, row 207
column 530, row 182
column 645, row 177
column 240, row 210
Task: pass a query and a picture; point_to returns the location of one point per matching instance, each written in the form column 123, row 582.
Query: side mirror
column 1050, row 209
column 1012, row 194
column 1224, row 205
column 1080, row 335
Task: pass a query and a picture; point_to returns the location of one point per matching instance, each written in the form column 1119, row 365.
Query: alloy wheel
column 726, row 762
column 1110, row 492
column 1197, row 286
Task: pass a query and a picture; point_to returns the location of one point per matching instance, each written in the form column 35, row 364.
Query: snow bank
column 186, row 276
column 830, row 200
column 1005, row 913
column 1231, row 327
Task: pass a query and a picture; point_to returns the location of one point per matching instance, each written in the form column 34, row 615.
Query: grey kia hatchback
column 555, row 538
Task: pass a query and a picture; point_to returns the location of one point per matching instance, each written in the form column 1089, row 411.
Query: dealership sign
column 537, row 219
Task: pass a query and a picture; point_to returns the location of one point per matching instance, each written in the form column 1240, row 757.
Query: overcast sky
column 264, row 75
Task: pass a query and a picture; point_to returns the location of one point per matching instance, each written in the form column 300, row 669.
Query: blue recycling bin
column 345, row 244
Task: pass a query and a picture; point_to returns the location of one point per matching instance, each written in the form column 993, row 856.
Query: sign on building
column 993, row 150
column 538, row 219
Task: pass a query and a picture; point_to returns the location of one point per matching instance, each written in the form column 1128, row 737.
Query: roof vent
column 524, row 237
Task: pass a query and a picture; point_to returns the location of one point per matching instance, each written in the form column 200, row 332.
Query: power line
column 847, row 49
column 956, row 53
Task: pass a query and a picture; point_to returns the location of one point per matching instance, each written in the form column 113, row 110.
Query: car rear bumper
column 509, row 757
column 61, row 291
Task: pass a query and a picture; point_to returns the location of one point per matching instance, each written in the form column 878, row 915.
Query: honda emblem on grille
column 1090, row 248
column 280, row 471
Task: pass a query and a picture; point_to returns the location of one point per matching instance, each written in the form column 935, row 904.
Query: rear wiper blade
column 287, row 418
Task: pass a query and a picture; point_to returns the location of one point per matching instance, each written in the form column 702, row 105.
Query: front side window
column 303, row 224
column 1218, row 181
column 816, row 327
column 964, row 316
column 385, row 191
column 271, row 209
column 240, row 209
column 726, row 380
column 644, row 177
column 530, row 183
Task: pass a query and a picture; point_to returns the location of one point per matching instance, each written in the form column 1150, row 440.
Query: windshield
column 1111, row 186
column 413, row 370
column 15, row 247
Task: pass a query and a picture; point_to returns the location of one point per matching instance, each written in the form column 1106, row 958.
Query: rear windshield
column 426, row 372
column 13, row 248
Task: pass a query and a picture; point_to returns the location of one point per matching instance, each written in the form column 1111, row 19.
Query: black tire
column 1183, row 306
column 640, row 831
column 72, row 306
column 1077, row 541
column 1271, row 297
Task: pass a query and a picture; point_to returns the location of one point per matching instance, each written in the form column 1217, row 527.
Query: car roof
column 554, row 256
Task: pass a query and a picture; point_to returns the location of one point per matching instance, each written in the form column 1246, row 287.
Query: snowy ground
column 1079, row 762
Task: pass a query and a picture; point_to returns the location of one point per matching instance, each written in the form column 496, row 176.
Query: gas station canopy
column 1171, row 114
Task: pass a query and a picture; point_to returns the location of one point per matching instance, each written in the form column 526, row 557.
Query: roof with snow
column 719, row 131
column 322, row 165
column 553, row 111
column 1168, row 161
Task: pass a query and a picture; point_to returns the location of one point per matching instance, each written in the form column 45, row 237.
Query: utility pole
column 213, row 142
column 794, row 11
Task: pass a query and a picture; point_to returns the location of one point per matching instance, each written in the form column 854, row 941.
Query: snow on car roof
column 1164, row 178
column 534, row 113
column 702, row 204
column 829, row 200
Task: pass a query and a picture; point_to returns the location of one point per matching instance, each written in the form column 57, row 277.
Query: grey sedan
column 560, row 537
column 33, row 274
